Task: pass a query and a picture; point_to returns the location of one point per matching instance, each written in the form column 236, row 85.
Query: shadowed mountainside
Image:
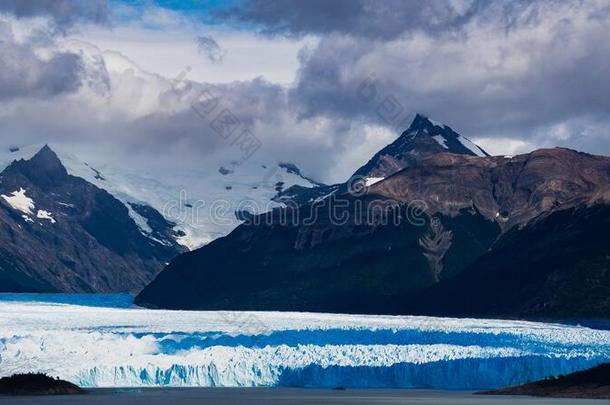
column 339, row 262
column 63, row 234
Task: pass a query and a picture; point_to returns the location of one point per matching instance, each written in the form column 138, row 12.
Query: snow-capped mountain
column 204, row 202
column 191, row 206
column 423, row 138
column 62, row 233
column 534, row 222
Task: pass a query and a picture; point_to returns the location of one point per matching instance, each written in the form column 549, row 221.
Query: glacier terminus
column 104, row 341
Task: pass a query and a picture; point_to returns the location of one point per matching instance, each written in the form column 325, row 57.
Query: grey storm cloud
column 207, row 46
column 552, row 66
column 63, row 12
column 532, row 71
column 256, row 105
column 24, row 74
column 493, row 69
column 387, row 19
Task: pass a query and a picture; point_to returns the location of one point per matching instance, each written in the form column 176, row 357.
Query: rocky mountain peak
column 85, row 239
column 443, row 135
column 44, row 169
column 423, row 138
column 421, row 122
column 48, row 160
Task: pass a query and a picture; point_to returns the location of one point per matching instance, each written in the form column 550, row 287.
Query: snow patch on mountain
column 42, row 214
column 369, row 181
column 19, row 201
column 324, row 196
column 471, row 146
column 66, row 205
column 441, row 141
column 140, row 221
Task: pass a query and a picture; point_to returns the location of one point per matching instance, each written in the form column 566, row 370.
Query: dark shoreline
column 37, row 384
column 588, row 384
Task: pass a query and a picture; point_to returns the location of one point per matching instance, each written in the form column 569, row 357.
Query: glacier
column 105, row 341
column 203, row 214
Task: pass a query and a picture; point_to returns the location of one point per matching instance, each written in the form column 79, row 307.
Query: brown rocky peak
column 509, row 190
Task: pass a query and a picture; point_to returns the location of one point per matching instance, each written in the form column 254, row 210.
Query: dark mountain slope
column 350, row 267
column 423, row 138
column 363, row 263
column 558, row 266
column 60, row 233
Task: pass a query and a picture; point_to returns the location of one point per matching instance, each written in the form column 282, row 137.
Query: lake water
column 282, row 396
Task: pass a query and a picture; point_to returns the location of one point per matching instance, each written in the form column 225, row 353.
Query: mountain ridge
column 465, row 202
column 422, row 139
column 83, row 238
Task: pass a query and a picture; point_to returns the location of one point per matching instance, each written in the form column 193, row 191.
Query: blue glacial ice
column 103, row 341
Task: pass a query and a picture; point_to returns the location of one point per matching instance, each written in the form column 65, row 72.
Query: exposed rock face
column 557, row 266
column 422, row 139
column 509, row 191
column 63, row 234
column 330, row 262
column 435, row 245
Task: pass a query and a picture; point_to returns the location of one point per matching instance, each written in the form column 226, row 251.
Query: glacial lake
column 285, row 396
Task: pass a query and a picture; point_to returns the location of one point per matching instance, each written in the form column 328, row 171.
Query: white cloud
column 365, row 140
column 31, row 66
column 168, row 52
column 504, row 146
column 549, row 67
column 132, row 114
column 543, row 82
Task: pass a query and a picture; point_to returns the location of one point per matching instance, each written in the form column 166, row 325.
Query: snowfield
column 118, row 346
column 20, row 201
column 471, row 145
column 204, row 213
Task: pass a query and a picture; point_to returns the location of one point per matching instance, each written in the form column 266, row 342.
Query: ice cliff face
column 114, row 347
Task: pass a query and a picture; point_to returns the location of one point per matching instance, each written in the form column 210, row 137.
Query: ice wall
column 98, row 346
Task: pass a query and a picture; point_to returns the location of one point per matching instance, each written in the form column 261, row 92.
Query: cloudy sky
column 321, row 83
